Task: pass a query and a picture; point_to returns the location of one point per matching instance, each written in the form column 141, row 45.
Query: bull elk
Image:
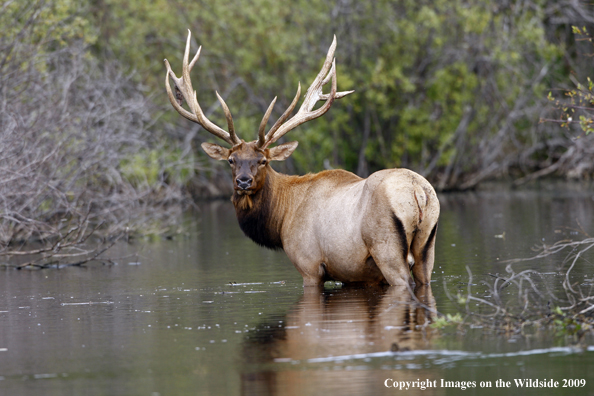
column 333, row 225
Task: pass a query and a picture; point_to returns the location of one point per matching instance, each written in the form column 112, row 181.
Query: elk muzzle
column 244, row 182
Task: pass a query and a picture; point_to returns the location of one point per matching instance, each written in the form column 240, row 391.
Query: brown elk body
column 333, row 225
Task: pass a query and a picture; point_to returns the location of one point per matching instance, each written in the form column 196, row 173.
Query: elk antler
column 305, row 113
column 184, row 85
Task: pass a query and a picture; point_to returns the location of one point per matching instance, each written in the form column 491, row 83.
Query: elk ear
column 282, row 151
column 215, row 151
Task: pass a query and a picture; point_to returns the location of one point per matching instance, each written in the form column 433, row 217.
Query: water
column 211, row 313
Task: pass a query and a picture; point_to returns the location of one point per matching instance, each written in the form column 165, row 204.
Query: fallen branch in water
column 562, row 302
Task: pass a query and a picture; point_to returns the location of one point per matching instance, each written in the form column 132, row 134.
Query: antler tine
column 184, row 84
column 313, row 95
column 174, row 103
column 261, row 137
column 230, row 126
column 284, row 117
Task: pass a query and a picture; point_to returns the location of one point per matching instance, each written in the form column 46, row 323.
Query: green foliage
column 434, row 80
column 566, row 324
column 42, row 27
column 444, row 321
column 576, row 106
column 142, row 168
column 416, row 67
column 151, row 167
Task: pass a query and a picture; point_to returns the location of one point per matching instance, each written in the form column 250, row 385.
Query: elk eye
column 263, row 161
column 230, row 161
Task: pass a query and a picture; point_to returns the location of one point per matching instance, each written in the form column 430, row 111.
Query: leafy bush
column 67, row 122
column 452, row 89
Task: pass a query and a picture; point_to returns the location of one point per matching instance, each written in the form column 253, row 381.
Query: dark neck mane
column 256, row 215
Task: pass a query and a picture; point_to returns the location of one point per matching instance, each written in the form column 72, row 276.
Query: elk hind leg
column 423, row 251
column 390, row 251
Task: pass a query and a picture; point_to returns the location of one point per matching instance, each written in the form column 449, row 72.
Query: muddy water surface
column 211, row 313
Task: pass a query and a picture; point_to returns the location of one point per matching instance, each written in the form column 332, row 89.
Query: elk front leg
column 314, row 276
column 309, row 265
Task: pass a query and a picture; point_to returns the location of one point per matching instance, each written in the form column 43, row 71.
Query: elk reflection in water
column 282, row 355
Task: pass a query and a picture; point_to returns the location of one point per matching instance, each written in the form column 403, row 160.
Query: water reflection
column 335, row 326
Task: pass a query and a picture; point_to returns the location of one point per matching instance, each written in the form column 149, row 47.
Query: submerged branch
column 572, row 312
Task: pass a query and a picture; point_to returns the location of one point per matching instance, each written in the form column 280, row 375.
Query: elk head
column 249, row 160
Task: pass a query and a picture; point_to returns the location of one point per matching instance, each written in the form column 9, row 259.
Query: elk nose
column 244, row 182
